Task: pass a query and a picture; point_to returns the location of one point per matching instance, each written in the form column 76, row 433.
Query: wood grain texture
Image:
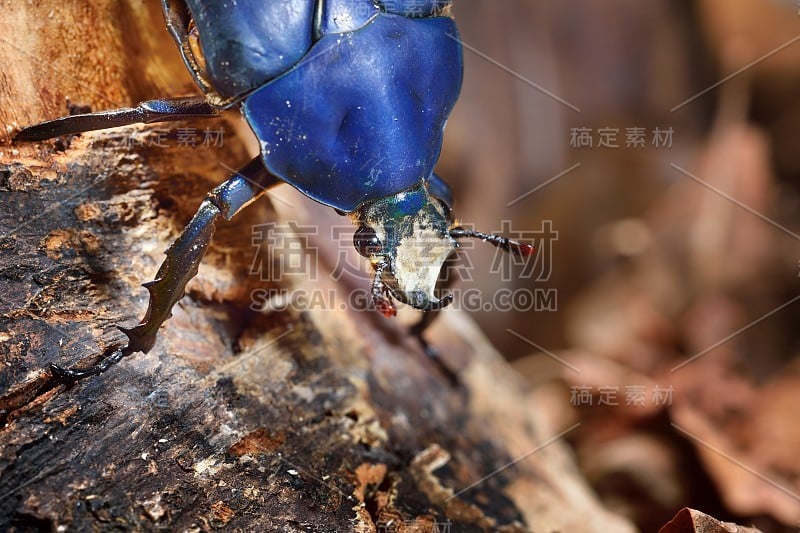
column 286, row 420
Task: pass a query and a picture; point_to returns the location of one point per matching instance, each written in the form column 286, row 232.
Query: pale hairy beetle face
column 407, row 239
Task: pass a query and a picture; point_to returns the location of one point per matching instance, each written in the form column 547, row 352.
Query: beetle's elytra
column 348, row 100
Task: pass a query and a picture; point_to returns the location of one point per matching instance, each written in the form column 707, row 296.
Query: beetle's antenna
column 517, row 248
column 380, row 293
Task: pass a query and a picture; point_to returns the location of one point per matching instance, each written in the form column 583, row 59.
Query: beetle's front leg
column 183, row 259
column 418, row 329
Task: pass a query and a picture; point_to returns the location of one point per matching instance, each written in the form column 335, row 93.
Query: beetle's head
column 408, row 238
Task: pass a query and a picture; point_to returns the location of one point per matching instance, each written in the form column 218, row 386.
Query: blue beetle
column 348, row 100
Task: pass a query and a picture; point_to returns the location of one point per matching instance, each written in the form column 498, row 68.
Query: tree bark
column 286, row 419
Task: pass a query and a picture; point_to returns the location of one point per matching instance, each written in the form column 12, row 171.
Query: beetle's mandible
column 348, row 100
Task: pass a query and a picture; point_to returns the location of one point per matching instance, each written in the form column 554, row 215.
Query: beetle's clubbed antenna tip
column 517, row 248
column 380, row 294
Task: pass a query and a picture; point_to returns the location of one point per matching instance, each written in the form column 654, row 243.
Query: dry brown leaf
column 692, row 521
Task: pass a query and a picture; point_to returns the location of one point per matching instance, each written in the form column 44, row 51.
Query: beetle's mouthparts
column 382, row 296
column 421, row 301
column 517, row 248
column 434, row 305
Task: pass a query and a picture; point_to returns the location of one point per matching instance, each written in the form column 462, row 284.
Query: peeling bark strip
column 282, row 421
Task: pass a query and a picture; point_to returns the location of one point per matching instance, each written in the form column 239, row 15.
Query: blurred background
column 650, row 149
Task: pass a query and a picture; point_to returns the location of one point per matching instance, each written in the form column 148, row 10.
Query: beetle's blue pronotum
column 348, row 100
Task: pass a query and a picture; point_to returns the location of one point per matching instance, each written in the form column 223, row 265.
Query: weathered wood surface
column 287, row 420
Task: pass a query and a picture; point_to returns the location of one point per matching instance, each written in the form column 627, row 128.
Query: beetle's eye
column 366, row 242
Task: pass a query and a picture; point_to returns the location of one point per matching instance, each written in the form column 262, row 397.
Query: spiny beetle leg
column 184, row 255
column 164, row 110
column 183, row 259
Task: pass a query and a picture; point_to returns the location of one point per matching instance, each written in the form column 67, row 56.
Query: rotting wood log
column 279, row 420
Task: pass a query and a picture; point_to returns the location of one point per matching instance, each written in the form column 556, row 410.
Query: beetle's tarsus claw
column 62, row 374
column 71, row 375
